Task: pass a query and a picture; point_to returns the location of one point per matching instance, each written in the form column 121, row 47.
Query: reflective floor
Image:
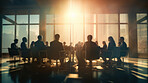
column 132, row 70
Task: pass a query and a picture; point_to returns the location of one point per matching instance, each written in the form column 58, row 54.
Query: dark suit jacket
column 56, row 47
column 92, row 50
column 123, row 49
column 14, row 47
column 123, row 46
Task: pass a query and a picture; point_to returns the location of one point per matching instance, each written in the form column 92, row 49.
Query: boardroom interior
column 74, row 20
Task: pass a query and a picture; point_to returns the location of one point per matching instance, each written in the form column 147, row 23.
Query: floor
column 132, row 70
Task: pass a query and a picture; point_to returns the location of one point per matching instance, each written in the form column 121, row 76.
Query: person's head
column 46, row 43
column 57, row 37
column 110, row 39
column 121, row 39
column 15, row 41
column 89, row 37
column 32, row 43
column 70, row 43
column 97, row 42
column 24, row 39
column 64, row 43
column 104, row 43
column 40, row 37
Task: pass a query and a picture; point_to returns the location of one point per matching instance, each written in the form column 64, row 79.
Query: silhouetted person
column 39, row 43
column 66, row 48
column 56, row 48
column 123, row 48
column 111, row 43
column 25, row 50
column 104, row 45
column 91, row 49
column 38, row 46
column 32, row 44
column 14, row 47
column 111, row 46
column 46, row 44
column 23, row 44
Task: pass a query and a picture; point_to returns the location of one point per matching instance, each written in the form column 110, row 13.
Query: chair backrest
column 9, row 51
column 13, row 52
column 124, row 53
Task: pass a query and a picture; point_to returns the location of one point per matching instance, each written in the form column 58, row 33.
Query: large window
column 75, row 28
column 142, row 32
column 19, row 26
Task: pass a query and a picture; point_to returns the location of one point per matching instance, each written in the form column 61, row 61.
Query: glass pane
column 34, row 18
column 7, row 37
column 76, row 18
column 7, row 18
column 21, row 31
column 90, row 18
column 106, row 30
column 142, row 38
column 102, row 34
column 34, row 32
column 107, row 18
column 142, row 16
column 49, row 18
column 64, row 32
column 49, row 33
column 22, row 19
column 124, row 33
column 123, row 18
column 62, row 19
column 77, row 33
column 90, row 29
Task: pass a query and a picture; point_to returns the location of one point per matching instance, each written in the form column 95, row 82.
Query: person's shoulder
column 12, row 43
column 60, row 42
column 124, row 42
column 22, row 43
column 36, row 42
column 52, row 41
column 42, row 42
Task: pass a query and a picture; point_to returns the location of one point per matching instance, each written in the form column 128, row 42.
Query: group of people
column 89, row 50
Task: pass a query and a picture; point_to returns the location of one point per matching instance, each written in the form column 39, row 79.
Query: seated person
column 32, row 44
column 56, row 47
column 123, row 48
column 46, row 44
column 38, row 45
column 14, row 47
column 111, row 46
column 25, row 50
column 104, row 46
column 92, row 50
column 66, row 48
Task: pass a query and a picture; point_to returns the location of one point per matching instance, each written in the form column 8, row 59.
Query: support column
column 42, row 30
column 132, row 34
column 0, row 35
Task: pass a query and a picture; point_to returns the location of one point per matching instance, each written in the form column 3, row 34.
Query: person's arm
column 84, row 46
column 62, row 48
